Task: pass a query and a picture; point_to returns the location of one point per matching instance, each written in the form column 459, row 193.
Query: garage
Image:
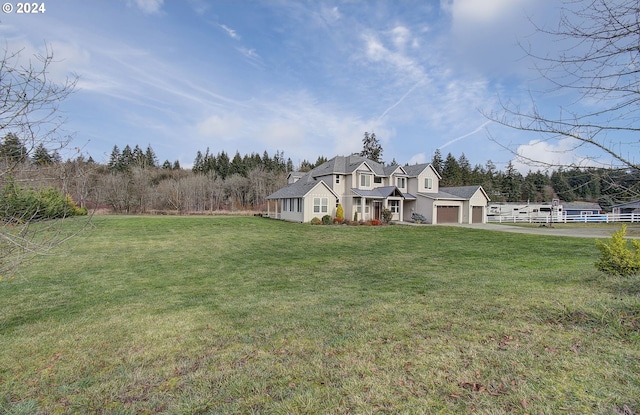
column 447, row 214
column 477, row 214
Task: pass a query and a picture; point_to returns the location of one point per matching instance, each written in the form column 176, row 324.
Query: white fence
column 610, row 217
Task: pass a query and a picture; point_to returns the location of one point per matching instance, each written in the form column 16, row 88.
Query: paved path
column 586, row 232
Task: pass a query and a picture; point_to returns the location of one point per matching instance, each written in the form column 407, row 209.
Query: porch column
column 363, row 203
column 401, row 213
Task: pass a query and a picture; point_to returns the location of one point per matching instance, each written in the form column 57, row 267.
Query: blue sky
column 304, row 77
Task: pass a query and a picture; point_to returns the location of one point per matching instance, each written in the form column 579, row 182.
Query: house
column 366, row 187
column 626, row 208
column 582, row 208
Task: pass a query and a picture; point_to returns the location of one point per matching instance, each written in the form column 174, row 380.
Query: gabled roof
column 634, row 204
column 347, row 165
column 455, row 193
column 378, row 192
column 415, row 169
column 299, row 189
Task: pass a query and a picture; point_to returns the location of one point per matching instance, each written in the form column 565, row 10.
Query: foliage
column 375, row 222
column 387, row 215
column 21, row 205
column 418, row 218
column 326, row 220
column 316, row 221
column 616, row 258
column 371, row 147
column 355, row 216
column 338, row 221
column 340, row 212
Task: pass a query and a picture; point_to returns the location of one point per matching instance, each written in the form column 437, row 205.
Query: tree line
column 599, row 185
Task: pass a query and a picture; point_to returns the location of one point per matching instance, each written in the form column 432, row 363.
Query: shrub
column 418, row 218
column 340, row 212
column 616, row 258
column 386, row 215
column 355, row 216
column 338, row 220
column 375, row 222
column 316, row 221
column 326, row 220
column 19, row 204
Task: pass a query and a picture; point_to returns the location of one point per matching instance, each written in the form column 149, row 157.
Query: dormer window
column 365, row 180
column 377, row 180
column 428, row 183
column 401, row 182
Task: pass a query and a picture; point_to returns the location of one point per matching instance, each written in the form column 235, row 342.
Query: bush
column 316, row 221
column 386, row 215
column 375, row 222
column 340, row 213
column 418, row 218
column 326, row 220
column 355, row 216
column 337, row 220
column 19, row 204
column 616, row 258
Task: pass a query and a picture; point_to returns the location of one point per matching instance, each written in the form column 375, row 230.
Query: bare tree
column 599, row 63
column 29, row 112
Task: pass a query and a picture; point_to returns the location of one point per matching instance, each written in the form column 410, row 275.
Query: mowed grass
column 224, row 315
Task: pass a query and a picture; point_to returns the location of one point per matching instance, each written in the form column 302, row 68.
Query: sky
column 307, row 78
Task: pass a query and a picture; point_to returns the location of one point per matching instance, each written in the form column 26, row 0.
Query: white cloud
column 418, row 159
column 551, row 154
column 149, row 6
column 232, row 33
column 220, row 128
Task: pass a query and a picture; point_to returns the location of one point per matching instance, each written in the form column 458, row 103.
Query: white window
column 365, row 180
column 320, row 205
column 358, row 204
column 394, row 206
column 401, row 182
column 428, row 183
column 299, row 205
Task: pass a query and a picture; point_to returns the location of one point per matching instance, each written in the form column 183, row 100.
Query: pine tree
column 371, row 148
column 437, row 162
column 114, row 160
column 150, row 157
column 41, row 156
column 451, row 173
column 12, row 149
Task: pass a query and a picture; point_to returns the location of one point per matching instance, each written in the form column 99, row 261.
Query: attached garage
column 448, row 214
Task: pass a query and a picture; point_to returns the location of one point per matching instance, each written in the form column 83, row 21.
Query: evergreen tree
column 41, row 156
column 237, row 165
column 126, row 158
column 320, row 160
column 371, row 148
column 150, row 157
column 511, row 186
column 437, row 162
column 166, row 165
column 114, row 160
column 176, row 165
column 465, row 170
column 222, row 165
column 198, row 163
column 451, row 173
column 12, row 150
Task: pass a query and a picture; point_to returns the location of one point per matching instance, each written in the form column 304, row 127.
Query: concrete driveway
column 554, row 230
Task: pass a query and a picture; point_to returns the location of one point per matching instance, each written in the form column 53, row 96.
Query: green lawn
column 195, row 315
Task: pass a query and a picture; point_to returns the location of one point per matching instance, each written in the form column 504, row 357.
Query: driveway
column 574, row 231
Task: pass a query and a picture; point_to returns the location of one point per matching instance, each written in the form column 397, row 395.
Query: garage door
column 447, row 214
column 476, row 214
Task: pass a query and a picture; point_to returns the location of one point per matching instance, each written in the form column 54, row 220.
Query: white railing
column 603, row 218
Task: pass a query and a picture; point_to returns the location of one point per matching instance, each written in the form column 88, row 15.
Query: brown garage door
column 447, row 214
column 476, row 214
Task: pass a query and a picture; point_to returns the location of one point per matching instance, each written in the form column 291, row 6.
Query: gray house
column 365, row 187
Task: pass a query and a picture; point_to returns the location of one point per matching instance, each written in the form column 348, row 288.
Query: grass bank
column 199, row 315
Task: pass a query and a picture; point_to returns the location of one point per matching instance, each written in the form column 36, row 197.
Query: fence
column 610, row 217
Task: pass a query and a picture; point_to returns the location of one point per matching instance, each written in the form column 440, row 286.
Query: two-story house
column 367, row 187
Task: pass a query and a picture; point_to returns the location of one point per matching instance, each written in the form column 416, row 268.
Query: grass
column 213, row 315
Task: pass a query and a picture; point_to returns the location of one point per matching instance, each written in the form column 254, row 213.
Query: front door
column 377, row 210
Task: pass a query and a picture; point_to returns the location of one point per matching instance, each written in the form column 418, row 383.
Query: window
column 394, row 206
column 401, row 182
column 299, row 205
column 365, row 180
column 320, row 205
column 428, row 183
column 377, row 180
column 337, row 179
